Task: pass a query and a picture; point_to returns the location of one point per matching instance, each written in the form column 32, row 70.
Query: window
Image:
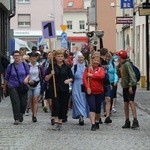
column 70, row 4
column 24, row 20
column 69, row 25
column 81, row 25
column 23, row 1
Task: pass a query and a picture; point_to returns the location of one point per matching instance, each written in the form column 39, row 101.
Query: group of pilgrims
column 50, row 75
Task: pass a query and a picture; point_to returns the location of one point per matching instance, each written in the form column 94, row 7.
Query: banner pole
column 52, row 63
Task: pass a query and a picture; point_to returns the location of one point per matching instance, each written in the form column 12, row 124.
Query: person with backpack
column 17, row 74
column 107, row 86
column 44, row 64
column 80, row 106
column 128, row 83
column 113, row 78
column 45, row 87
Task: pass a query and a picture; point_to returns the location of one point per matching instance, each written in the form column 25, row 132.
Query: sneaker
column 108, row 120
column 52, row 121
column 135, row 124
column 114, row 109
column 56, row 127
column 97, row 125
column 59, row 126
column 81, row 122
column 27, row 113
column 93, row 127
column 100, row 121
column 34, row 119
column 21, row 118
column 126, row 125
column 45, row 109
column 105, row 114
column 64, row 120
column 17, row 122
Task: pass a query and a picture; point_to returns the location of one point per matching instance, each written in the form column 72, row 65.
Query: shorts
column 127, row 96
column 34, row 92
column 107, row 91
column 115, row 91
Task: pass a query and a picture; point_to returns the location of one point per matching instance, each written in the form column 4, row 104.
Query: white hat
column 38, row 52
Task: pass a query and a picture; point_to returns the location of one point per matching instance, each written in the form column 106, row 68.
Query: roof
column 73, row 5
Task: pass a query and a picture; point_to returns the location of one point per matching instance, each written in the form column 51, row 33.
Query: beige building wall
column 39, row 11
column 106, row 16
column 139, row 55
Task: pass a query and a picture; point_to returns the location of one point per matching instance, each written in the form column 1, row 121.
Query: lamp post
column 147, row 49
column 133, row 36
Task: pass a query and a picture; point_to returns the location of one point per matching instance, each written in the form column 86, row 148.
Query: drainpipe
column 12, row 8
column 147, row 50
column 12, row 13
column 133, row 36
column 95, row 47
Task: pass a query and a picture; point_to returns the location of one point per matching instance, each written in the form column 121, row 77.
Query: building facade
column 4, row 26
column 105, row 20
column 75, row 17
column 7, row 11
column 27, row 24
column 133, row 35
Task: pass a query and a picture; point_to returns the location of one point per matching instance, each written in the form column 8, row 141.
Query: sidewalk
column 142, row 98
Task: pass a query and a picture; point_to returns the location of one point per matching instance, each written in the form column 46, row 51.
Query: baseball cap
column 122, row 54
column 32, row 54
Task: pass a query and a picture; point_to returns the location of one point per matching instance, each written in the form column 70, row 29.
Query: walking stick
column 52, row 63
column 89, row 65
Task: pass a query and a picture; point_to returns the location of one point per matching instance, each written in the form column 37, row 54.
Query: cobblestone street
column 39, row 136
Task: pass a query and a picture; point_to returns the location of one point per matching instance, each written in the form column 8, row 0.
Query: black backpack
column 137, row 72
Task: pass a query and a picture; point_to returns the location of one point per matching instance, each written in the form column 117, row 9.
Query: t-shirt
column 11, row 75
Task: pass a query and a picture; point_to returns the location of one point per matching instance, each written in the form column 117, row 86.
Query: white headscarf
column 75, row 59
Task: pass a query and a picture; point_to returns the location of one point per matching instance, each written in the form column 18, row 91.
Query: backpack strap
column 75, row 68
column 17, row 73
column 24, row 67
column 113, row 63
column 40, row 75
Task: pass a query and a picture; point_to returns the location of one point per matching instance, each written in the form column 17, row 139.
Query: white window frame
column 24, row 24
column 69, row 25
column 81, row 24
column 70, row 4
column 24, row 1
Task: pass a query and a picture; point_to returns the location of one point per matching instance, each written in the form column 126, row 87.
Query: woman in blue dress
column 80, row 107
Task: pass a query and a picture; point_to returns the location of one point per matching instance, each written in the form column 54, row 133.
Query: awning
column 77, row 39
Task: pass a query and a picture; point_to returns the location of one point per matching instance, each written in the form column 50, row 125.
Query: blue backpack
column 137, row 72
